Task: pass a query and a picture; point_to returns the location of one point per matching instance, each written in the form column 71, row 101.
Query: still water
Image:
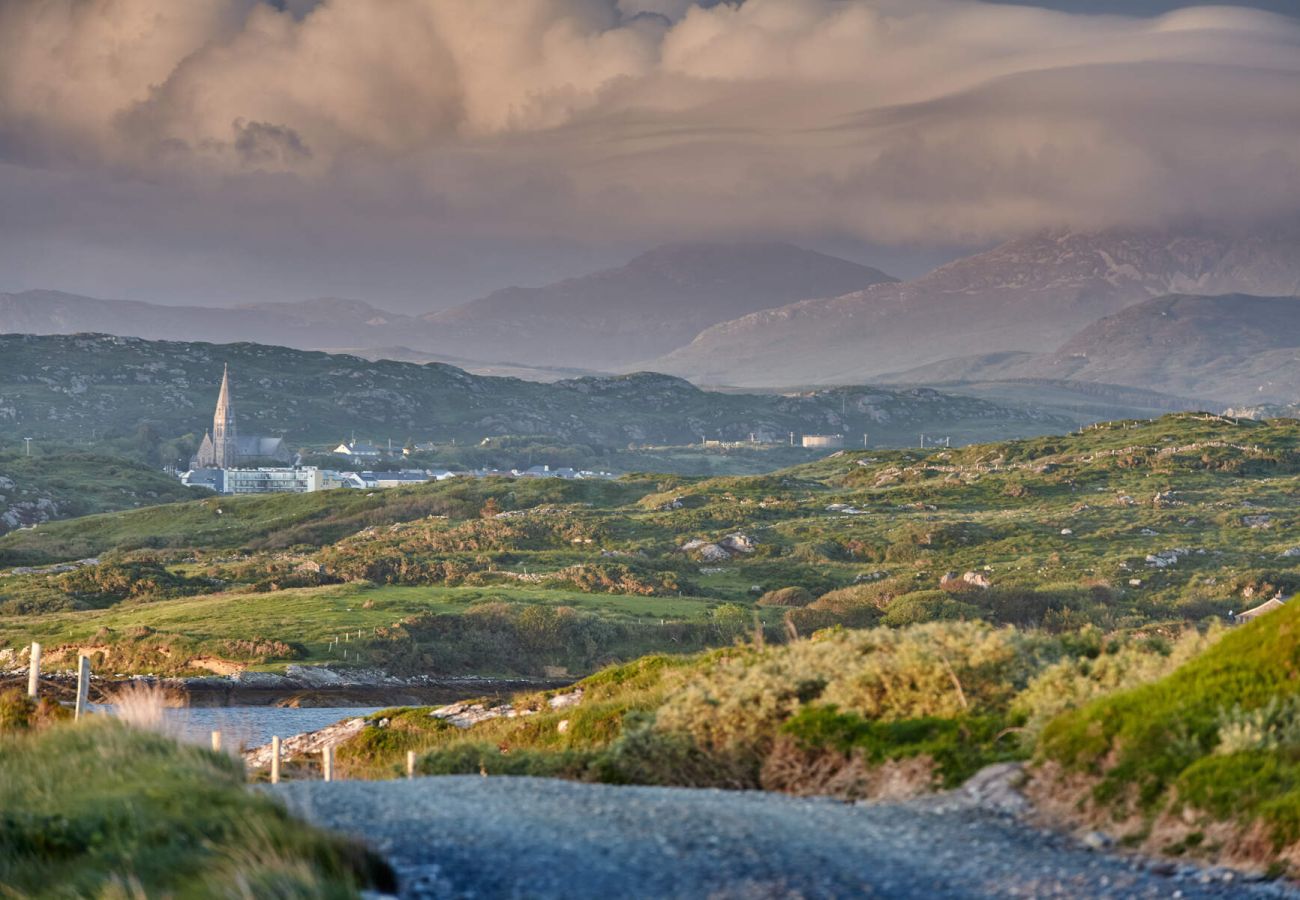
column 251, row 726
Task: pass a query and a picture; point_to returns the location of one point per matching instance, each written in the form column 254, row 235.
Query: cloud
column 887, row 120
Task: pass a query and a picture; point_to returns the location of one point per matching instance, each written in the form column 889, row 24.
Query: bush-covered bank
column 1183, row 745
column 1206, row 760
column 97, row 808
column 869, row 713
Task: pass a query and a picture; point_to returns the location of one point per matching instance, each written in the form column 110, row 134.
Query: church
column 224, row 448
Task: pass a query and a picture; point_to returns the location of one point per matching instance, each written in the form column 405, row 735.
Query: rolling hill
column 90, row 387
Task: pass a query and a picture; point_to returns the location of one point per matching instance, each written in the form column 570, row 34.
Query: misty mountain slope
column 1027, row 295
column 1232, row 348
column 79, row 387
column 307, row 324
column 657, row 302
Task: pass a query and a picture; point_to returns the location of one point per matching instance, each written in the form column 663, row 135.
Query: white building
column 304, row 480
column 823, row 441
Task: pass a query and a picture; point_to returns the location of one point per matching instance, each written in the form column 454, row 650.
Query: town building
column 265, row 480
column 823, row 441
column 224, row 448
column 358, row 450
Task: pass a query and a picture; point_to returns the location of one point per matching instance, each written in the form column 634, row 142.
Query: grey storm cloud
column 939, row 121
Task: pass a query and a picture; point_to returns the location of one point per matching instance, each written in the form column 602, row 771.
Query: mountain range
column 1028, row 295
column 658, row 302
column 606, row 320
column 1072, row 308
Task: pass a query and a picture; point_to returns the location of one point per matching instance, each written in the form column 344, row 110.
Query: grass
column 70, row 484
column 162, row 636
column 1219, row 737
column 277, row 521
column 812, row 716
column 1068, row 530
column 100, row 809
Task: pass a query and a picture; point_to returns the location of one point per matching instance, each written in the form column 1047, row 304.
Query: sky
column 419, row 153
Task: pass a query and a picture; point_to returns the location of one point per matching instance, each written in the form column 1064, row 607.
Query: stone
column 564, row 701
column 713, row 553
column 738, row 543
column 1097, row 840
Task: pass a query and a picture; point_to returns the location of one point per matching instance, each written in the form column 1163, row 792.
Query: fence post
column 410, row 763
column 327, row 762
column 83, row 686
column 216, row 742
column 275, row 760
column 34, row 671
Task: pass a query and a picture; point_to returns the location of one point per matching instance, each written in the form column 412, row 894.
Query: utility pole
column 922, row 440
column 29, row 445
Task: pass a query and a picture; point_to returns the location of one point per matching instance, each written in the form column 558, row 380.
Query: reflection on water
column 252, row 726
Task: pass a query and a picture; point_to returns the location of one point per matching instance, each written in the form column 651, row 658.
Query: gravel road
column 467, row 836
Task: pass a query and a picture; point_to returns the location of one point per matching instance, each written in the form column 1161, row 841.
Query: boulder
column 738, row 543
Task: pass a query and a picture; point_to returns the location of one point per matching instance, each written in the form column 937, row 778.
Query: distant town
column 232, row 463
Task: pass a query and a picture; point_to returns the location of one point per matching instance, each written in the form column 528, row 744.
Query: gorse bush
column 1273, row 727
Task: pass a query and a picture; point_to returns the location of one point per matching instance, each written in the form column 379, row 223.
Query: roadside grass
column 100, row 809
column 1217, row 741
column 935, row 702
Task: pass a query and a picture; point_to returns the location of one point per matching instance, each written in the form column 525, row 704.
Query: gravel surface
column 467, row 836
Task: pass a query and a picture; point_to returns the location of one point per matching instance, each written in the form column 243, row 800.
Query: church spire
column 223, row 426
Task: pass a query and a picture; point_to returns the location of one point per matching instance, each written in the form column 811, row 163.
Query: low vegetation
column 857, row 713
column 47, row 486
column 100, row 809
column 1165, row 524
column 1207, row 759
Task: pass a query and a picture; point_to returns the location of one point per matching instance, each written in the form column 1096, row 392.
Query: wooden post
column 83, row 686
column 327, row 762
column 216, row 742
column 275, row 760
column 410, row 763
column 34, row 671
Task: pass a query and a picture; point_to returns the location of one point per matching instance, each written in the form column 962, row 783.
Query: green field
column 302, row 624
column 1169, row 523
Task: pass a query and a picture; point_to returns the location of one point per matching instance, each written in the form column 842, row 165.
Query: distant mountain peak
column 657, row 301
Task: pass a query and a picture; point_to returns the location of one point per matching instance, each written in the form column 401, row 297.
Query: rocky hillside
column 1229, row 349
column 86, row 387
column 1026, row 295
column 656, row 303
column 40, row 488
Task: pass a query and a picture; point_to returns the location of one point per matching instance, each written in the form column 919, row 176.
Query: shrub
column 928, row 606
column 787, row 596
